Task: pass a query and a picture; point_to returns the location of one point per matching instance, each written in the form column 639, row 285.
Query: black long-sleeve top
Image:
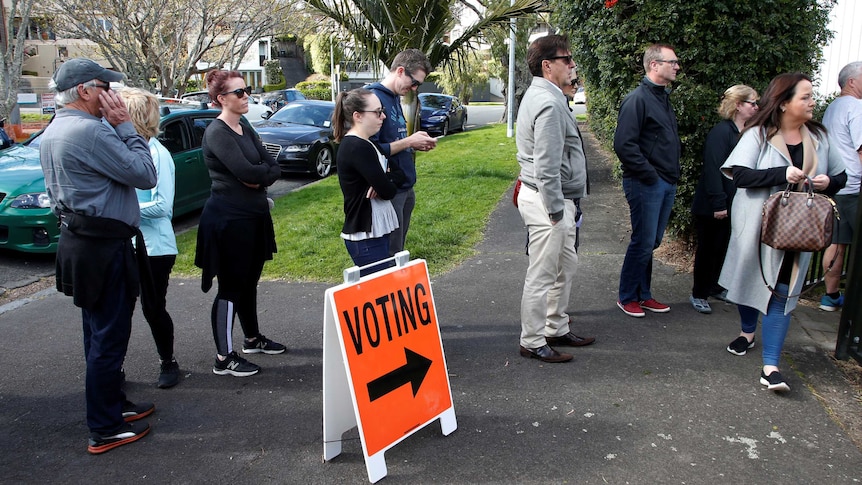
column 233, row 159
column 358, row 169
column 748, row 178
column 646, row 139
column 714, row 191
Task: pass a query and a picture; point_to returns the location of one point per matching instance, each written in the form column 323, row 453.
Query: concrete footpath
column 654, row 400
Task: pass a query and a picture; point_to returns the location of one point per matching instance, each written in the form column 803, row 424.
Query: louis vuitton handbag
column 798, row 221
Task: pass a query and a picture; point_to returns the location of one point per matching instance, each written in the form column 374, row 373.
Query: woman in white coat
column 781, row 145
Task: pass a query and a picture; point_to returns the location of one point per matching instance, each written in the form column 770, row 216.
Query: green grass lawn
column 459, row 184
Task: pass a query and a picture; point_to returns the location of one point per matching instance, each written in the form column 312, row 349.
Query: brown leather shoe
column 545, row 354
column 570, row 340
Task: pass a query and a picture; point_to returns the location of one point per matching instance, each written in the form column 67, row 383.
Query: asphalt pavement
column 654, row 400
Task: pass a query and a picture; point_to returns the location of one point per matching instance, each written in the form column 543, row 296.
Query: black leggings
column 156, row 312
column 238, row 275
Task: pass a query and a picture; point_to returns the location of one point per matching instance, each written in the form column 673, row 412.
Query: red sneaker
column 655, row 306
column 632, row 309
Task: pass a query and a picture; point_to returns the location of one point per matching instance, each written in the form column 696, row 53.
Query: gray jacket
column 741, row 271
column 550, row 150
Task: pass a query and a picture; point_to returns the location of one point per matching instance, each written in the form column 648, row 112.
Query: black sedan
column 441, row 113
column 299, row 136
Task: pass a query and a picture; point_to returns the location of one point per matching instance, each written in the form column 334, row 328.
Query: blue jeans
column 774, row 325
column 649, row 209
column 369, row 251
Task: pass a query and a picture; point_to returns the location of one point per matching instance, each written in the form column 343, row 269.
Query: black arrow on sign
column 413, row 371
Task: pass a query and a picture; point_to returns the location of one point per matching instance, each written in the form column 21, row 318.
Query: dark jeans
column 403, row 203
column 712, row 238
column 649, row 210
column 107, row 327
column 155, row 311
column 369, row 251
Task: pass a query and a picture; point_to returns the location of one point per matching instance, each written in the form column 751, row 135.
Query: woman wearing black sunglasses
column 235, row 235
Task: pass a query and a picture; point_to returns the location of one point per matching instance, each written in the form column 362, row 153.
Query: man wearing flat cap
column 91, row 172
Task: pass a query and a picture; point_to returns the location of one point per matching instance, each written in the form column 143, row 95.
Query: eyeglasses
column 672, row 62
column 106, row 87
column 379, row 111
column 415, row 83
column 239, row 92
column 750, row 101
column 568, row 58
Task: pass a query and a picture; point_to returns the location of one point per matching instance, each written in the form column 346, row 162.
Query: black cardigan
column 714, row 192
column 358, row 169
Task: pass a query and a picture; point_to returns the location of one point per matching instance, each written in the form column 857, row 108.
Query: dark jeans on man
column 107, row 327
column 156, row 311
column 712, row 238
column 403, row 203
column 649, row 210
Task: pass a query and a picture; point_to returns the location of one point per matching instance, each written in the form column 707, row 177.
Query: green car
column 26, row 221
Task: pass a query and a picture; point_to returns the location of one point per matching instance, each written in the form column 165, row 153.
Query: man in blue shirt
column 407, row 73
column 91, row 172
column 843, row 119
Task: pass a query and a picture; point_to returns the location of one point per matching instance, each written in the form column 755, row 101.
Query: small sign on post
column 48, row 106
column 384, row 370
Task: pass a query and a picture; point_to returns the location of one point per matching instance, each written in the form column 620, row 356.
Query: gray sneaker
column 700, row 304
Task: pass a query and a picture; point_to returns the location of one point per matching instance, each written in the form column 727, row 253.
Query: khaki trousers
column 553, row 264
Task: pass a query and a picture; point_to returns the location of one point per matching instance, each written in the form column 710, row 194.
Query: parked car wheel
column 323, row 162
column 445, row 130
column 464, row 124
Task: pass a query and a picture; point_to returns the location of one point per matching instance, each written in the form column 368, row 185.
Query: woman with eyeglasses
column 714, row 193
column 366, row 181
column 235, row 234
column 781, row 145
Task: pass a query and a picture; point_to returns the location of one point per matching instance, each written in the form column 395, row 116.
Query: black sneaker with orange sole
column 128, row 433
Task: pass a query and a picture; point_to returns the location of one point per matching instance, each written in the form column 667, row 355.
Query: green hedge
column 719, row 43
column 275, row 87
column 315, row 89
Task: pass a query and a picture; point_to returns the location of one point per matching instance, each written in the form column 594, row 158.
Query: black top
column 358, row 169
column 233, row 159
column 646, row 139
column 714, row 191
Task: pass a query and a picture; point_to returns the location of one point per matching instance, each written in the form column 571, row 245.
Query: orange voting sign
column 392, row 356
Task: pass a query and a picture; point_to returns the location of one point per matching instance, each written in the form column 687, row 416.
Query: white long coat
column 741, row 271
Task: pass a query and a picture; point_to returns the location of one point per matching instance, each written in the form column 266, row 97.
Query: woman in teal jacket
column 157, row 207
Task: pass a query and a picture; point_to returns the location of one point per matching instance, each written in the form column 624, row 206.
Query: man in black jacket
column 647, row 143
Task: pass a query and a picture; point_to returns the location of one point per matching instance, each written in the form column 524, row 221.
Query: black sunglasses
column 568, row 59
column 106, row 87
column 239, row 92
column 415, row 83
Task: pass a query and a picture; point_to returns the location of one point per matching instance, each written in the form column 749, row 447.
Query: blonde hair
column 733, row 96
column 143, row 109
